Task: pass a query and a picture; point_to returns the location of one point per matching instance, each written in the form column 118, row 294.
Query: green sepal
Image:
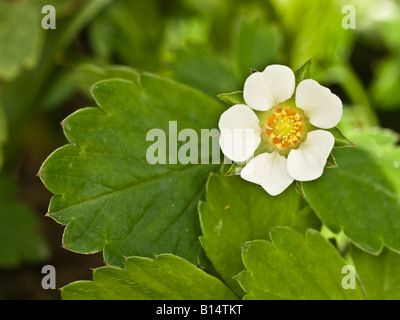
column 235, row 168
column 300, row 74
column 331, row 162
column 298, row 185
column 232, row 98
column 303, row 73
column 340, row 140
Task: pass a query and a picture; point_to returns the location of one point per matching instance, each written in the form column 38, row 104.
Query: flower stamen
column 285, row 127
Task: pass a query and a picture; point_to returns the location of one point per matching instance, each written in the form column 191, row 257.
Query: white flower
column 289, row 128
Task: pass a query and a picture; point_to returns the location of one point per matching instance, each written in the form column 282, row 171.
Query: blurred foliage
column 313, row 29
column 19, row 237
column 3, row 133
column 209, row 45
column 380, row 29
column 23, row 48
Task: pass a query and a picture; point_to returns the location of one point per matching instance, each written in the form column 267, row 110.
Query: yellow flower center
column 285, row 127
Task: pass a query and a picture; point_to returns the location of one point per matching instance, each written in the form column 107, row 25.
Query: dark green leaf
column 107, row 193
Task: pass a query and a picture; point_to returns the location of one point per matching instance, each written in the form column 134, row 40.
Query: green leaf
column 237, row 211
column 232, row 98
column 379, row 275
column 107, row 193
column 19, row 237
column 167, row 277
column 340, row 139
column 294, row 267
column 357, row 198
column 21, row 37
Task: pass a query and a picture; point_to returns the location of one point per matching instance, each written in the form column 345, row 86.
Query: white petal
column 307, row 162
column 281, row 81
column 264, row 90
column 323, row 108
column 270, row 171
column 240, row 132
